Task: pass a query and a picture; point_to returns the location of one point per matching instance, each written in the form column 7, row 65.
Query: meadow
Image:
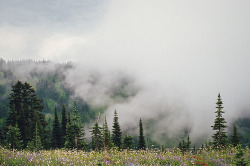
column 207, row 156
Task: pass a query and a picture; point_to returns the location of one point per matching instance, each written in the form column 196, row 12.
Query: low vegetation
column 206, row 156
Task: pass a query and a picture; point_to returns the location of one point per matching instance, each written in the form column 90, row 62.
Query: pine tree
column 235, row 136
column 63, row 124
column 128, row 142
column 141, row 144
column 96, row 138
column 107, row 142
column 14, row 139
column 219, row 138
column 56, row 132
column 116, row 132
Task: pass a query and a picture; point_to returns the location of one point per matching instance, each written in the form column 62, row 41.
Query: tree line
column 26, row 127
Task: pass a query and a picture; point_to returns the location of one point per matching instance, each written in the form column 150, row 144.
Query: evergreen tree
column 116, row 132
column 219, row 138
column 184, row 145
column 25, row 110
column 188, row 144
column 56, row 132
column 128, row 142
column 141, row 136
column 96, row 138
column 107, row 142
column 14, row 139
column 74, row 132
column 36, row 143
column 76, row 124
column 235, row 136
column 69, row 137
column 239, row 158
column 63, row 124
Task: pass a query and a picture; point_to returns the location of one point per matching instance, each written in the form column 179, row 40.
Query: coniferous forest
column 39, row 112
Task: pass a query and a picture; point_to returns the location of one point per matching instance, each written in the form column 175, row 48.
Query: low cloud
column 175, row 56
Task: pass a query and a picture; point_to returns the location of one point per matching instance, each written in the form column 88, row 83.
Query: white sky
column 181, row 51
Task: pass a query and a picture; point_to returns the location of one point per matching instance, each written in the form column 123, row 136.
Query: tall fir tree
column 235, row 139
column 56, row 132
column 14, row 138
column 25, row 109
column 220, row 138
column 141, row 144
column 107, row 142
column 63, row 124
column 116, row 131
column 96, row 138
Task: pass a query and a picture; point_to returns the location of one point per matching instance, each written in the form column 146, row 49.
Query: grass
column 115, row 157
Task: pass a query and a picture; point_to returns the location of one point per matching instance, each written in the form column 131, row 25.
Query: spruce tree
column 56, row 132
column 220, row 138
column 116, row 131
column 96, row 138
column 235, row 139
column 141, row 144
column 63, row 124
column 14, row 138
column 127, row 142
column 107, row 142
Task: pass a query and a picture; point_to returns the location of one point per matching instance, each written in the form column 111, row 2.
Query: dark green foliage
column 116, row 131
column 48, row 78
column 74, row 132
column 96, row 138
column 127, row 142
column 235, row 139
column 14, row 139
column 141, row 144
column 56, row 132
column 239, row 158
column 220, row 138
column 35, row 144
column 63, row 124
column 69, row 137
column 26, row 111
column 107, row 142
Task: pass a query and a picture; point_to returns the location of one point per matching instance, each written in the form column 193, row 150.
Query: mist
column 171, row 58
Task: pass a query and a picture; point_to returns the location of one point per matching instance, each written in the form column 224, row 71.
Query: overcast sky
column 183, row 52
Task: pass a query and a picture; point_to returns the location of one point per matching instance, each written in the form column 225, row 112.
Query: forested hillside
column 48, row 80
